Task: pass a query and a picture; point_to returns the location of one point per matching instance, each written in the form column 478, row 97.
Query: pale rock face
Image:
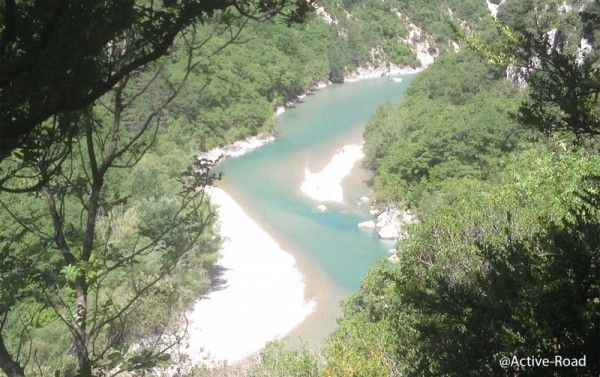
column 384, row 216
column 384, row 69
column 520, row 75
column 584, row 48
column 325, row 16
column 423, row 54
column 390, row 223
column 381, row 223
column 551, row 35
column 493, row 8
column 422, row 47
column 517, row 75
column 455, row 46
column 414, row 32
column 564, row 8
column 384, row 219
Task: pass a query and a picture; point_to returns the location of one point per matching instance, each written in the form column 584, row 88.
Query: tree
column 564, row 90
column 563, row 82
column 417, row 151
column 512, row 269
column 59, row 57
column 85, row 237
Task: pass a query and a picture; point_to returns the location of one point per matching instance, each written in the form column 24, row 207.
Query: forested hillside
column 502, row 170
column 104, row 218
column 402, row 33
column 106, row 239
column 503, row 269
column 452, row 128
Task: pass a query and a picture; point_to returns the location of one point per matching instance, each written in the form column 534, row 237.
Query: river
column 332, row 254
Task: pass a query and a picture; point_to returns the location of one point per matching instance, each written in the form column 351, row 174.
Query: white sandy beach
column 261, row 296
column 326, row 185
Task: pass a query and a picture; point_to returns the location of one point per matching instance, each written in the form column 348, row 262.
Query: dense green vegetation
column 453, row 124
column 105, row 236
column 96, row 257
column 505, row 260
column 101, row 257
column 237, row 90
column 58, row 58
column 508, row 269
column 116, row 243
column 525, row 14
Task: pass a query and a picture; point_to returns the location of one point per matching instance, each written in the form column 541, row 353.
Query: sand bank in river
column 259, row 295
column 326, row 185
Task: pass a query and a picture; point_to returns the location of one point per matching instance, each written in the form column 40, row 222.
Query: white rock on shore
column 367, row 225
column 389, row 223
column 238, row 148
column 280, row 110
column 389, row 232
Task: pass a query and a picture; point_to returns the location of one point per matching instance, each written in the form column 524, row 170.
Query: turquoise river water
column 332, row 253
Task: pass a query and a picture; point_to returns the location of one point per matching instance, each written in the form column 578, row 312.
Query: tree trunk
column 81, row 283
column 81, row 343
column 7, row 364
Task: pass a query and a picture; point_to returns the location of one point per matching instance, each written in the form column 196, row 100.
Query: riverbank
column 340, row 254
column 361, row 73
column 258, row 295
column 237, row 148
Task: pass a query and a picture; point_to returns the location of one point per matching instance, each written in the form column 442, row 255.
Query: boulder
column 367, row 225
column 384, row 216
column 382, row 224
column 389, row 232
